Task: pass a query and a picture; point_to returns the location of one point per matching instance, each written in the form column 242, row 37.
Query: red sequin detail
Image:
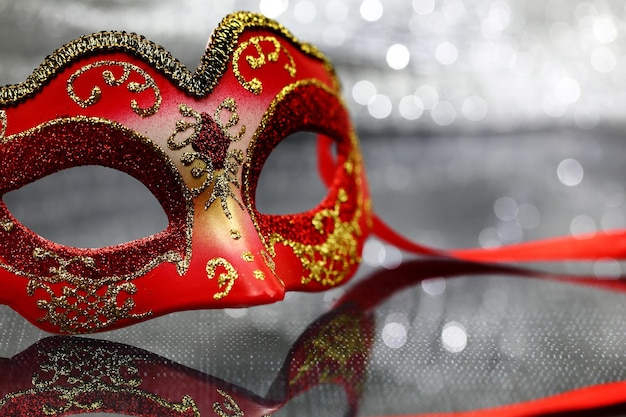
column 307, row 108
column 59, row 146
column 212, row 142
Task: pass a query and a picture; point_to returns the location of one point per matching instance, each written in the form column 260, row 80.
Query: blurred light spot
column 505, row 208
column 336, row 11
column 454, row 337
column 509, row 232
column 528, row 216
column 612, row 220
column 392, row 257
column 371, row 10
column 446, row 53
column 488, row 238
column 273, row 8
column 376, row 253
column 582, row 225
column 398, row 56
column 603, row 59
column 607, row 268
column 411, row 107
column 604, row 29
column 397, row 177
column 570, row 172
column 305, row 11
column 363, row 91
column 423, row 7
column 236, row 313
column 398, row 317
column 561, row 34
column 379, row 106
column 372, row 252
column 438, row 23
column 474, row 108
column 497, row 20
column 567, row 90
column 454, row 10
column 443, row 113
column 334, row 35
column 503, row 56
column 428, row 95
column 584, row 10
column 523, row 63
column 434, row 286
column 394, row 335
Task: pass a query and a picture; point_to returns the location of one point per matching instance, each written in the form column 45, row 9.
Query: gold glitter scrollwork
column 229, row 408
column 255, row 85
column 330, row 262
column 229, row 104
column 111, row 80
column 3, row 124
column 338, row 345
column 70, row 375
column 84, row 304
column 214, row 62
column 221, row 189
column 221, row 179
column 184, row 125
column 181, row 261
column 7, row 225
column 225, row 279
column 203, row 171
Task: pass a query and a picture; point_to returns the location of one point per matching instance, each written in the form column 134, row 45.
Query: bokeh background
column 482, row 123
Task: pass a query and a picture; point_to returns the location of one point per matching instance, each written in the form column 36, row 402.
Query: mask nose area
column 230, row 266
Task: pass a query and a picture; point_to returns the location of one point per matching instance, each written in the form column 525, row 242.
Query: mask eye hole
column 87, row 207
column 289, row 181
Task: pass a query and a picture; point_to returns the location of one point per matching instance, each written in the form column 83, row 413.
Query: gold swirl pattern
column 328, row 263
column 225, row 279
column 337, row 344
column 221, row 188
column 213, row 63
column 95, row 371
column 72, row 373
column 233, row 409
column 3, row 124
column 229, row 104
column 82, row 307
column 183, row 125
column 206, row 170
column 110, row 80
column 7, row 225
column 255, row 85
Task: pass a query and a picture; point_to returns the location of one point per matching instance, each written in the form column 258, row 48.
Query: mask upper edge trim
column 200, row 83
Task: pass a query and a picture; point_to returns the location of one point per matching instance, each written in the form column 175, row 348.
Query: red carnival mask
column 198, row 142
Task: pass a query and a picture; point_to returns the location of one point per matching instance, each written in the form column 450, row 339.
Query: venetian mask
column 198, row 142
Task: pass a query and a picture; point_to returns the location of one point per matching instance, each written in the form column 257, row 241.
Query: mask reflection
column 72, row 375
